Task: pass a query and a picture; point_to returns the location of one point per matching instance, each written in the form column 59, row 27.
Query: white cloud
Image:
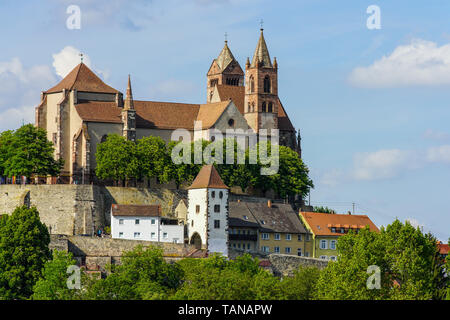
column 383, row 164
column 440, row 154
column 415, row 223
column 418, row 63
column 20, row 91
column 67, row 59
column 332, row 178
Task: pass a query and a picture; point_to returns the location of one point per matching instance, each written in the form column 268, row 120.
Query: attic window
column 318, row 227
column 263, row 222
column 231, row 122
column 245, row 217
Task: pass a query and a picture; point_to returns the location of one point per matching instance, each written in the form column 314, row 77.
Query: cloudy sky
column 373, row 104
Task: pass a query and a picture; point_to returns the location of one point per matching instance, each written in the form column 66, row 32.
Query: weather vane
column 81, row 55
column 226, row 37
column 261, row 22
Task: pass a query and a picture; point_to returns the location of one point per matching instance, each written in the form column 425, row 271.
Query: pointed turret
column 261, row 57
column 129, row 104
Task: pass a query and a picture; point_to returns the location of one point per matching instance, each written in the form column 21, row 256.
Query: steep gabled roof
column 261, row 56
column 225, row 57
column 208, row 177
column 82, row 78
column 321, row 223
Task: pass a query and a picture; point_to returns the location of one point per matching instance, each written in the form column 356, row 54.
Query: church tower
column 261, row 92
column 225, row 70
column 129, row 115
column 207, row 216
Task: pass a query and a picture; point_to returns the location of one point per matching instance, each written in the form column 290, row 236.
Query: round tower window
column 220, row 194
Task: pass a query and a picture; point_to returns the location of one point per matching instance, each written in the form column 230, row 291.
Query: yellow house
column 326, row 228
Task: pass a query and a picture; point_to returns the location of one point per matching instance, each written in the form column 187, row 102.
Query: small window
column 248, row 246
column 213, row 194
column 245, row 218
column 287, row 250
column 213, row 138
column 265, row 236
column 333, row 229
column 220, row 194
column 288, row 236
column 120, row 234
column 323, row 244
column 231, row 122
column 299, row 252
column 332, row 258
column 299, row 237
column 276, row 249
column 153, row 221
column 263, row 109
column 266, row 84
column 137, row 234
column 234, row 245
column 277, row 236
column 265, row 249
column 333, row 244
column 342, row 230
column 308, row 237
column 136, row 221
column 165, row 236
column 192, row 223
column 263, row 222
column 197, row 209
column 239, row 245
column 120, row 221
column 216, row 224
column 323, row 257
column 270, row 108
column 306, row 254
column 217, row 208
column 153, row 235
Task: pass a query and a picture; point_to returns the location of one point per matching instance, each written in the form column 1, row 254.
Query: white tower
column 208, row 212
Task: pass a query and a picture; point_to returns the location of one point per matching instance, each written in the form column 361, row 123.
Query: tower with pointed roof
column 207, row 216
column 261, row 101
column 129, row 115
column 225, row 70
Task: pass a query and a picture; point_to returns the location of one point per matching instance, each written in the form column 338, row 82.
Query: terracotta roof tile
column 136, row 210
column 443, row 248
column 208, row 177
column 209, row 113
column 82, row 78
column 99, row 112
column 319, row 222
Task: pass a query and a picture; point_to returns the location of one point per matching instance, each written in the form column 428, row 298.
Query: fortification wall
column 82, row 209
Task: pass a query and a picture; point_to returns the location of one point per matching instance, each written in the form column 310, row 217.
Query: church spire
column 225, row 57
column 261, row 56
column 129, row 105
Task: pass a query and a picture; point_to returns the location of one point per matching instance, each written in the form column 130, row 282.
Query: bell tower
column 129, row 115
column 261, row 92
column 225, row 70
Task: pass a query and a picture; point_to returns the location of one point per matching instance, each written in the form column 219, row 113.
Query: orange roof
column 321, row 223
column 153, row 114
column 134, row 210
column 82, row 78
column 443, row 248
column 208, row 177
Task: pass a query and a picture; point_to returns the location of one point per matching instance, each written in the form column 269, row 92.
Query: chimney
column 269, row 203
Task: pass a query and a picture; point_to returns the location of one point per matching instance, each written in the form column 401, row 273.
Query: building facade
column 326, row 228
column 80, row 111
column 144, row 222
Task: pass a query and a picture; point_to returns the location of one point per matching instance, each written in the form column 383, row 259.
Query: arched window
column 252, row 84
column 266, row 84
column 253, row 107
column 270, row 107
column 249, row 107
column 263, row 107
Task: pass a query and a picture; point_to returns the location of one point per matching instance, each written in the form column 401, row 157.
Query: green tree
column 406, row 258
column 6, row 138
column 143, row 274
column 117, row 159
column 24, row 241
column 152, row 157
column 324, row 210
column 302, row 286
column 29, row 152
column 53, row 283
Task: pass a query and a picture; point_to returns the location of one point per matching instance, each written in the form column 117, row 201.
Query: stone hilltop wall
column 82, row 209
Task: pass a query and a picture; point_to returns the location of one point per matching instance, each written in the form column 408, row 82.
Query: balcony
column 243, row 237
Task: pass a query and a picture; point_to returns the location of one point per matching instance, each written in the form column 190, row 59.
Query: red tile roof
column 443, row 248
column 82, row 78
column 208, row 177
column 321, row 223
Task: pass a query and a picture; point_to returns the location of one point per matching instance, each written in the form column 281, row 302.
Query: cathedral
column 81, row 110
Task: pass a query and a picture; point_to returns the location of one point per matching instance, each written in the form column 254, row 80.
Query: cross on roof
column 226, row 37
column 81, row 55
column 261, row 23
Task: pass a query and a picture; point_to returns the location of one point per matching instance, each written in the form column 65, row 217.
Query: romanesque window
column 266, row 84
column 217, row 208
column 253, row 107
column 248, row 107
column 252, row 84
column 216, row 224
column 270, row 107
column 197, row 209
column 263, row 107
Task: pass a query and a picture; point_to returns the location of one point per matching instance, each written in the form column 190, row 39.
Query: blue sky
column 373, row 105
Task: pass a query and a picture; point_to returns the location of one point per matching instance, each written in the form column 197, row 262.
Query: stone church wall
column 82, row 209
